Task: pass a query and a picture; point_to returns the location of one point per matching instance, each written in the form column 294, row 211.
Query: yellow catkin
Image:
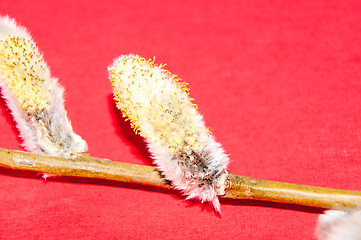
column 22, row 69
column 159, row 108
column 163, row 113
column 34, row 97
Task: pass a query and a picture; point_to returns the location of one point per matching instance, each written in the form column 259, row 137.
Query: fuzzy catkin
column 33, row 95
column 158, row 106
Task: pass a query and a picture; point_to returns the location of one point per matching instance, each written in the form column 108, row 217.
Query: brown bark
column 239, row 187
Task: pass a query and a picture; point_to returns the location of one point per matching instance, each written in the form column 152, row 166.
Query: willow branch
column 239, row 187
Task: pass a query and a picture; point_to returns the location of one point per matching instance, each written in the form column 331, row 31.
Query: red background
column 278, row 83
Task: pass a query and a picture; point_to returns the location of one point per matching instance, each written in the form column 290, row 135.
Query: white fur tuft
column 339, row 225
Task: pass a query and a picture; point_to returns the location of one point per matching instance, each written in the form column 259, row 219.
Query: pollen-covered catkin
column 158, row 106
column 33, row 95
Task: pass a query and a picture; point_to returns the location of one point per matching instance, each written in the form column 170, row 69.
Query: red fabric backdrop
column 278, row 83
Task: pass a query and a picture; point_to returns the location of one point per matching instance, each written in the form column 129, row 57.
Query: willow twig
column 239, row 187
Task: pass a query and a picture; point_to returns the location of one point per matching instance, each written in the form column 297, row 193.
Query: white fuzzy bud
column 159, row 109
column 33, row 95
